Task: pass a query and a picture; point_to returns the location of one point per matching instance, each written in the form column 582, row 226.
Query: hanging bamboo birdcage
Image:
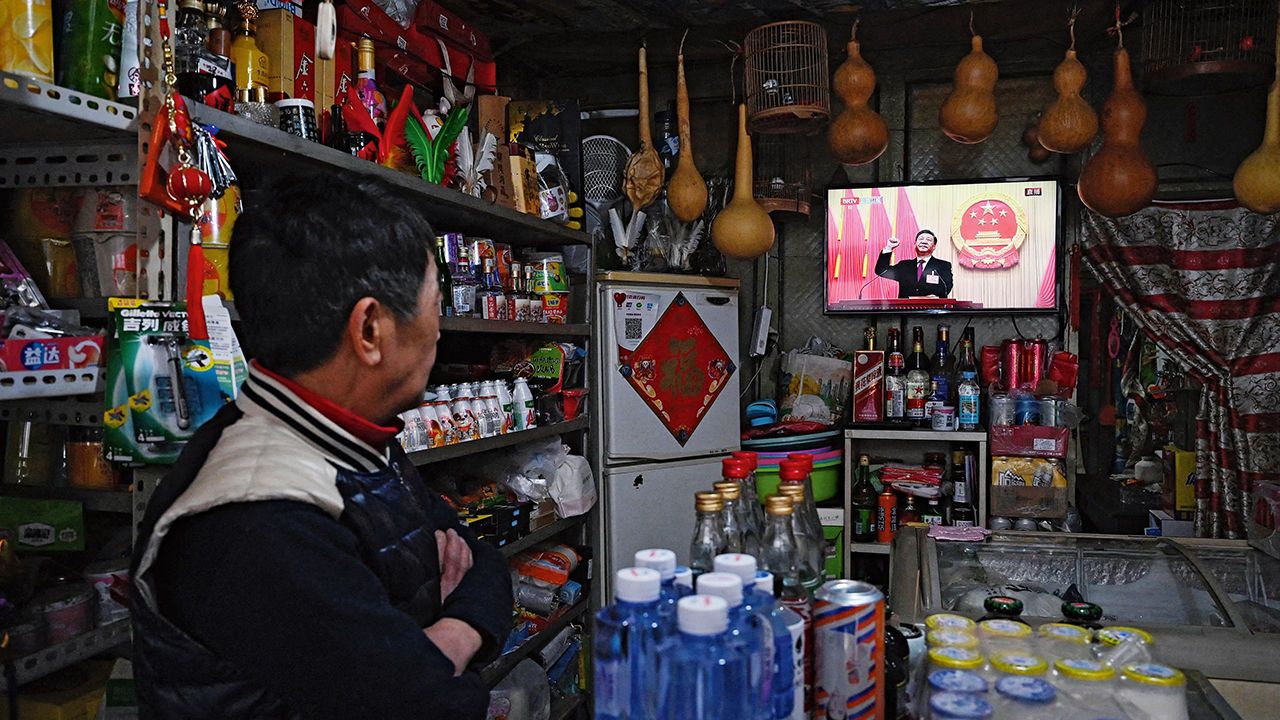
column 1207, row 47
column 783, row 179
column 787, row 84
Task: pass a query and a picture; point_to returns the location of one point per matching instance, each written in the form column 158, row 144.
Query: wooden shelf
column 508, row 327
column 541, row 534
column 503, row 665
column 473, row 447
column 114, row 501
column 258, row 148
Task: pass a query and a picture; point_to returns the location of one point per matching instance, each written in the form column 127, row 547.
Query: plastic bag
column 528, row 470
column 402, row 11
column 574, row 487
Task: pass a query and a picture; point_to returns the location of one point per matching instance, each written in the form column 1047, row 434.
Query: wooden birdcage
column 788, row 86
column 1207, row 47
column 783, row 179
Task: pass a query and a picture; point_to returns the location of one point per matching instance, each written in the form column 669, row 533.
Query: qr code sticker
column 633, row 329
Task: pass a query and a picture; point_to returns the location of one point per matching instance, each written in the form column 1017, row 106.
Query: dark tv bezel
column 1059, row 236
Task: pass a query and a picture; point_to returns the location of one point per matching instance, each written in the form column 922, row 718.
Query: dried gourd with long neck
column 1257, row 180
column 743, row 229
column 642, row 177
column 969, row 114
column 1120, row 180
column 858, row 135
column 1069, row 124
column 687, row 190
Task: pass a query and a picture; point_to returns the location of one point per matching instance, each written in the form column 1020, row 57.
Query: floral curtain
column 1205, row 285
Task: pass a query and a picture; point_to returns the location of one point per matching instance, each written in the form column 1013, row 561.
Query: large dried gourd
column 1257, row 180
column 1120, row 180
column 687, row 190
column 743, row 229
column 969, row 114
column 858, row 135
column 1070, row 124
column 642, row 178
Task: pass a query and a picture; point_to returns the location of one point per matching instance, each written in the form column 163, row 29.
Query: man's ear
column 366, row 331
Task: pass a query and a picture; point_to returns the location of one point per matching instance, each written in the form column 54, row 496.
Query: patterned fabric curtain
column 1205, row 285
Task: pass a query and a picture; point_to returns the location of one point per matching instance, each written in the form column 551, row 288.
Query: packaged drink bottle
column 932, row 514
column 664, row 562
column 963, row 513
column 788, row 695
column 537, row 313
column 435, row 432
column 484, row 420
column 750, row 632
column 758, row 587
column 918, row 383
column 806, row 555
column 808, row 511
column 496, row 417
column 780, row 557
column 445, row 278
column 886, row 516
column 810, row 501
column 522, row 406
column 708, row 532
column 730, row 515
column 1026, row 698
column 895, row 380
column 813, row 544
column 464, row 286
column 750, row 498
column 684, row 580
column 909, row 514
column 739, row 473
column 504, row 399
column 448, row 428
column 863, row 502
column 940, row 372
column 701, row 674
column 628, row 635
column 464, row 418
column 968, row 391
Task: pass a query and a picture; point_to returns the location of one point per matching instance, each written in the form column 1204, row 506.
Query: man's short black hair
column 930, row 233
column 305, row 250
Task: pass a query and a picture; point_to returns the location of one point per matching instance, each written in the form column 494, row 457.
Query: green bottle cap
column 1081, row 611
column 1003, row 605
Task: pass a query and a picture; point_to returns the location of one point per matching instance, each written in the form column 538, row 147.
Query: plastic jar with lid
column 952, row 638
column 1088, row 685
column 1022, row 664
column 958, row 706
column 956, row 658
column 1061, row 640
column 1122, row 646
column 958, row 681
column 1004, row 635
column 1026, row 698
column 949, row 621
column 1154, row 690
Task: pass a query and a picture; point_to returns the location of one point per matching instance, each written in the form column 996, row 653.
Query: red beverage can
column 1034, row 353
column 848, row 635
column 1010, row 364
column 886, row 517
column 990, row 361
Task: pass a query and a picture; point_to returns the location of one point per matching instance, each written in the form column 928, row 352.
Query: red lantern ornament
column 189, row 186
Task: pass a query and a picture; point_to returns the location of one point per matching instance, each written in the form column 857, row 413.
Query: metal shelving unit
column 35, row 111
column 507, row 327
column 503, row 665
column 57, row 410
column 22, row 669
column 542, row 534
column 113, row 501
column 473, row 447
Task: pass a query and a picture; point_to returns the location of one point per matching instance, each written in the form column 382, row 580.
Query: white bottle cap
column 764, row 582
column 702, row 615
column 722, row 585
column 637, row 585
column 664, row 561
column 684, row 576
column 744, row 566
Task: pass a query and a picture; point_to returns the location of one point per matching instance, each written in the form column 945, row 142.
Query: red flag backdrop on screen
column 878, row 233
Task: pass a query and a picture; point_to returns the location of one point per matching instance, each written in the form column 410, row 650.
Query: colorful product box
column 65, row 353
column 291, row 42
column 868, row 386
column 1179, row 482
column 1029, row 441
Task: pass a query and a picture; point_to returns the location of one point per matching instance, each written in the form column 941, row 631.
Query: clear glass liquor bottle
column 807, row 554
column 708, row 533
column 779, row 553
column 731, row 516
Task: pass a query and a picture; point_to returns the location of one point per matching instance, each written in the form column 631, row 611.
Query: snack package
column 89, row 55
column 42, row 525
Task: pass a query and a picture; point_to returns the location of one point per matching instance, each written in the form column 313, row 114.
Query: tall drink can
column 848, row 634
column 1011, row 365
column 1034, row 357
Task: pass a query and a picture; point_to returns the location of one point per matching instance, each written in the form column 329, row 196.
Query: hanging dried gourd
column 1119, row 179
column 642, row 178
column 1257, row 181
column 969, row 114
column 687, row 190
column 1070, row 124
column 858, row 135
column 743, row 229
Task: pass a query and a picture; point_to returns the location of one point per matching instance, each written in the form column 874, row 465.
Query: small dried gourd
column 743, row 229
column 1070, row 124
column 969, row 114
column 642, row 178
column 687, row 190
column 1119, row 180
column 1257, row 180
column 858, row 135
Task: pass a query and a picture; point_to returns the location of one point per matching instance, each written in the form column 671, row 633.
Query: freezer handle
column 718, row 300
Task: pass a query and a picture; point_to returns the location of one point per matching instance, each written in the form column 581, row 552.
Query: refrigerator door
column 651, row 506
column 670, row 372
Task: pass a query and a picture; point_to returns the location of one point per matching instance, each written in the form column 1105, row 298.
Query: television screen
column 989, row 245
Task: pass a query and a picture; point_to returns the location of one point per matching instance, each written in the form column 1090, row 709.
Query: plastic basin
column 825, row 478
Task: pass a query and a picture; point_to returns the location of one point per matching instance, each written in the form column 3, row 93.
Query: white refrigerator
column 668, row 371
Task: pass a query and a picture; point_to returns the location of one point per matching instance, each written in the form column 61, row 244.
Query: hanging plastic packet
column 218, row 213
column 26, row 38
column 89, row 60
column 129, row 84
column 553, row 188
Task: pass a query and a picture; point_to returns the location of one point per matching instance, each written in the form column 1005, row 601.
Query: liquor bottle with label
column 252, row 65
column 895, row 380
column 493, row 304
column 932, row 514
column 939, row 373
column 445, row 278
column 536, row 313
column 464, row 286
column 190, row 35
column 869, row 338
column 864, row 502
column 963, row 513
column 367, row 83
column 917, row 378
column 518, row 298
column 968, row 392
column 708, row 532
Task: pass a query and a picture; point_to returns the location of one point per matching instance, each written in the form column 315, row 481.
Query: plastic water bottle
column 684, row 580
column 793, row 691
column 664, row 561
column 758, row 589
column 628, row 635
column 702, row 674
column 749, row 630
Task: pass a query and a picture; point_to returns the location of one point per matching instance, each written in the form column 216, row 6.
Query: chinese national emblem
column 988, row 231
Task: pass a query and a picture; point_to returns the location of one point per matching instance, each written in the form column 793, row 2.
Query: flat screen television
column 979, row 246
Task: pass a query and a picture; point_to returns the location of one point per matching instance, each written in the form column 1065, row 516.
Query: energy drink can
column 848, row 632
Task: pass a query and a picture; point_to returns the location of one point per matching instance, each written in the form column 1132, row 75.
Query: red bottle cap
column 748, row 457
column 805, row 458
column 733, row 468
column 793, row 471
